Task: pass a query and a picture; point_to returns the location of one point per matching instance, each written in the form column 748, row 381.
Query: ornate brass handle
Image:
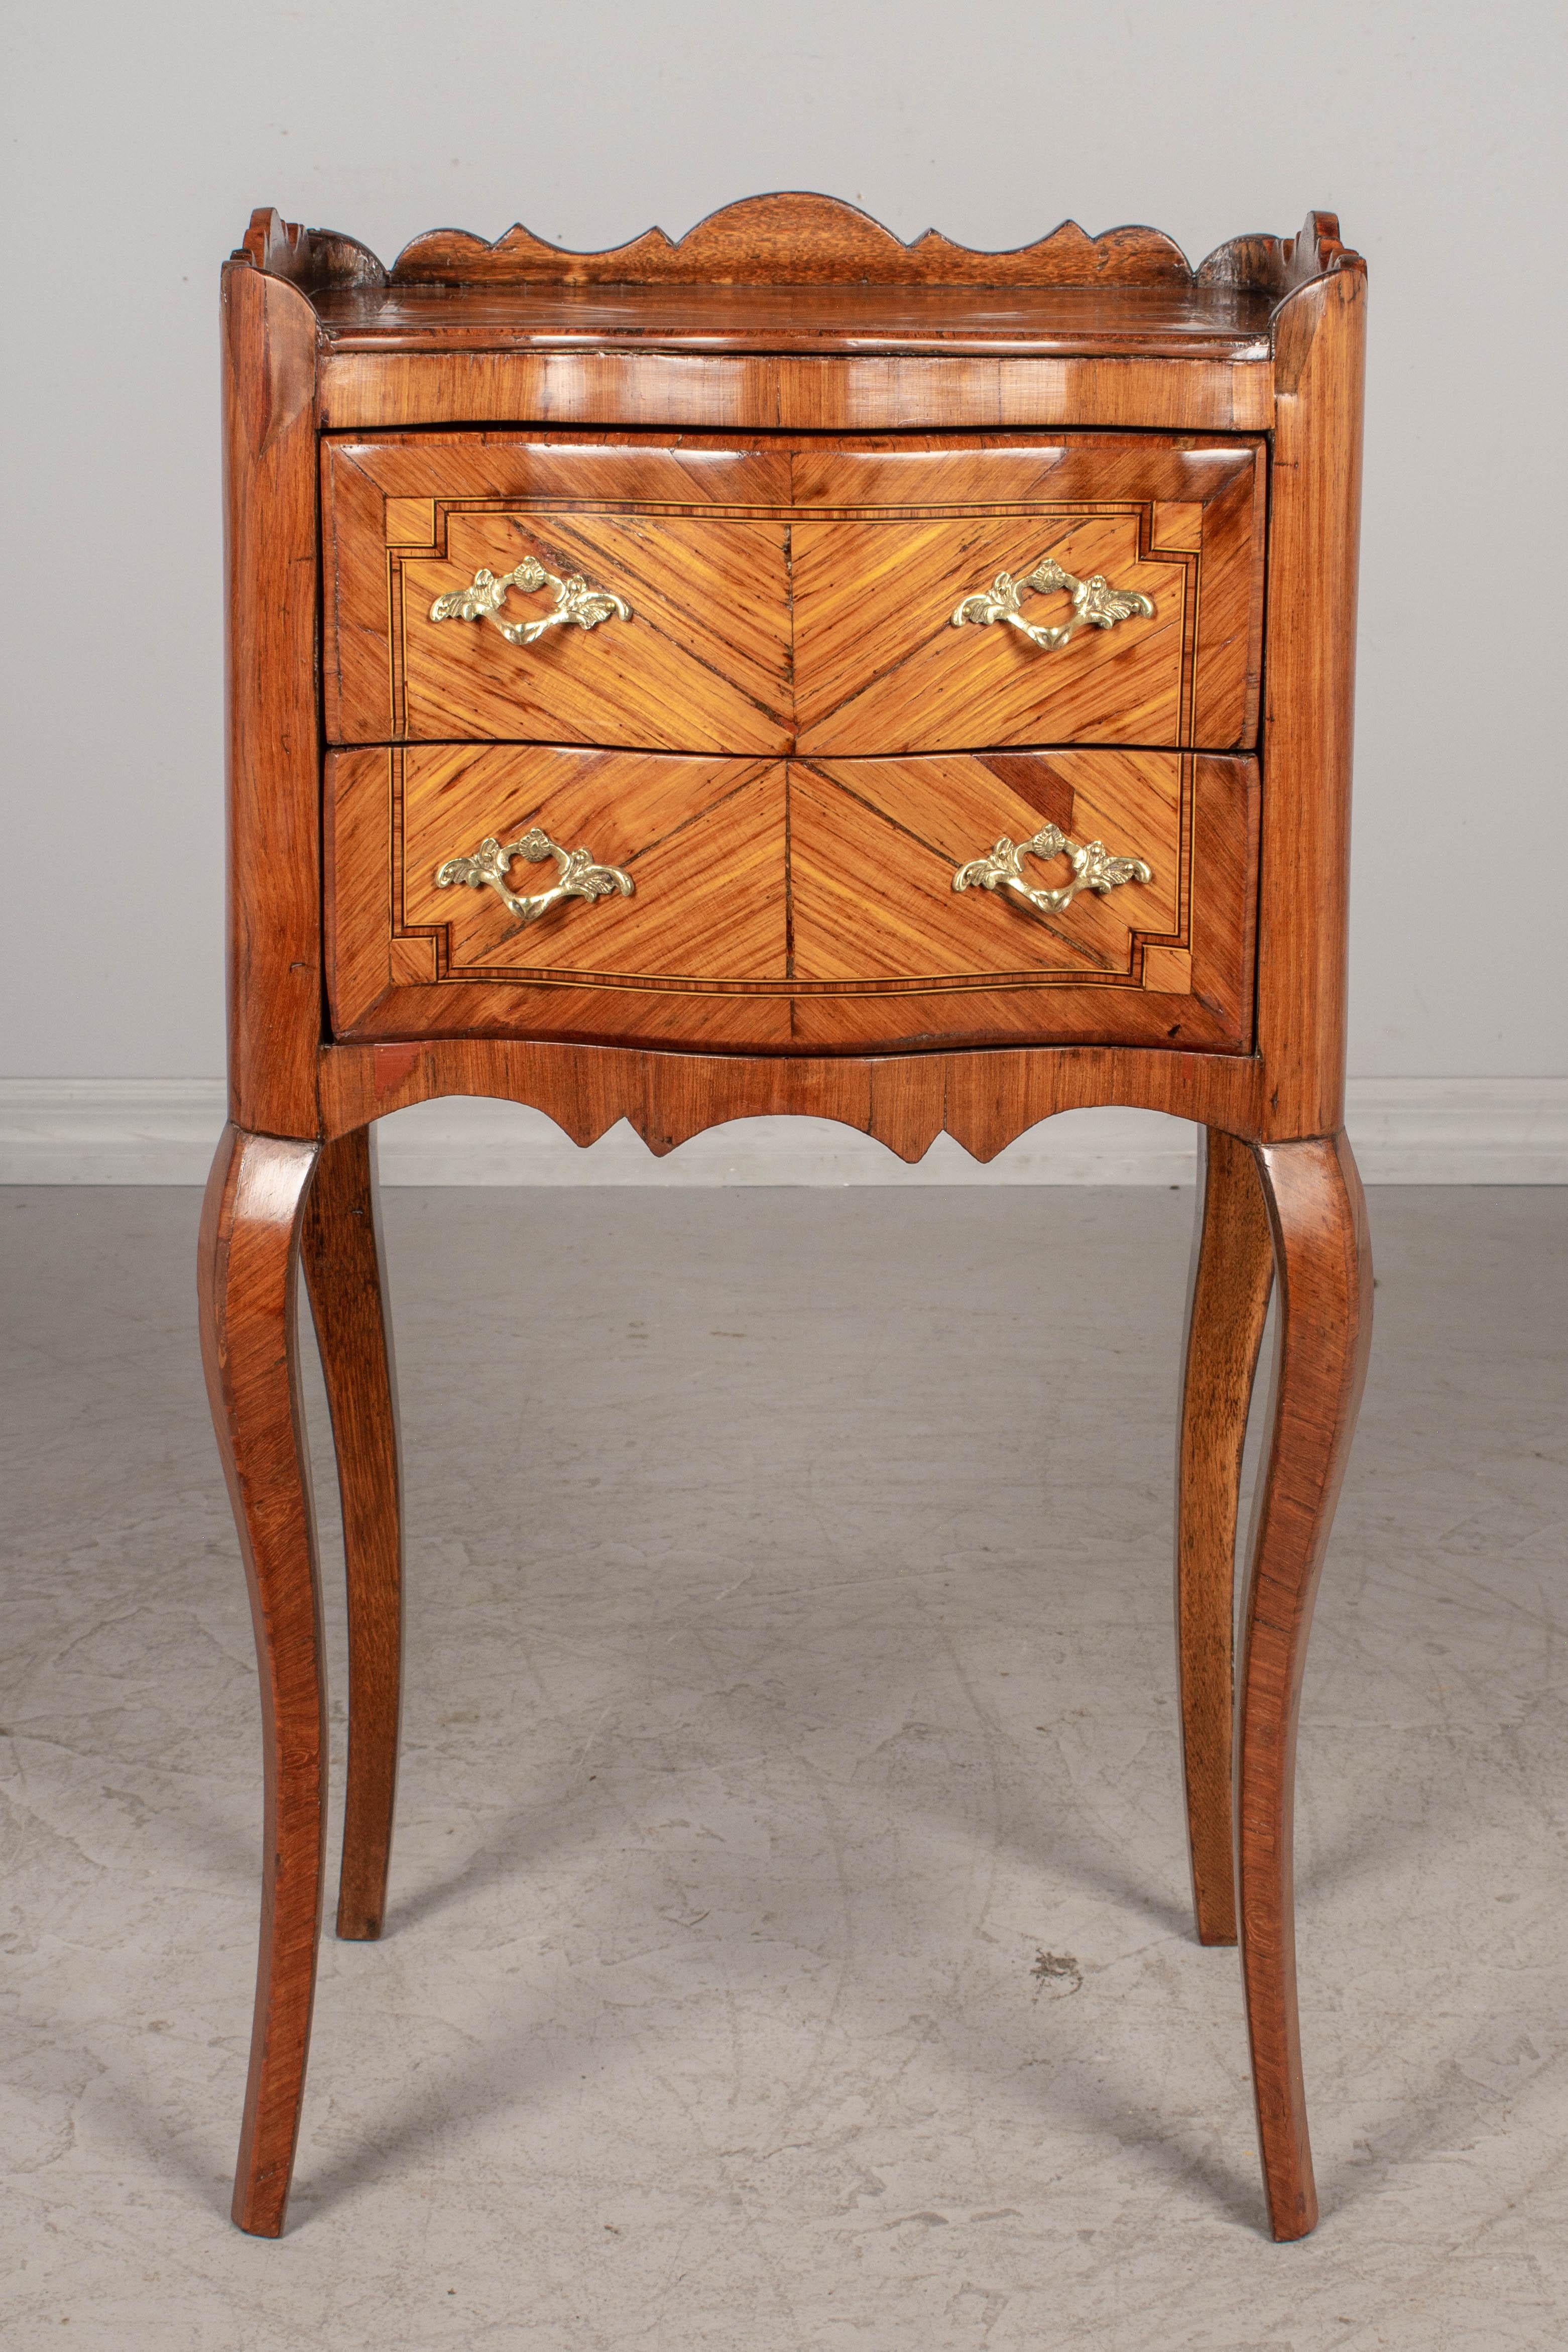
column 1095, row 604
column 1094, row 868
column 577, row 876
column 576, row 604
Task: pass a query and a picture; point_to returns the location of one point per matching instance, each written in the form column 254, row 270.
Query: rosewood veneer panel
column 701, row 666
column 919, row 963
column 794, row 587
column 702, row 840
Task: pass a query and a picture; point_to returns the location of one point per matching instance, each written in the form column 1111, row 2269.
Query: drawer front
column 807, row 905
column 753, row 598
column 676, row 636
column 433, row 853
column 1100, row 895
column 876, row 844
column 920, row 629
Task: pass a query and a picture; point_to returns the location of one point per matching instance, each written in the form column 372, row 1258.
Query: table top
column 1186, row 321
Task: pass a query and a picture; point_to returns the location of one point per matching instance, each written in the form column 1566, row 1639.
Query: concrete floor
column 788, row 1944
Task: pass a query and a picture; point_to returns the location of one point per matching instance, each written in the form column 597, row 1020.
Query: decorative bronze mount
column 1095, row 604
column 577, row 605
column 1094, row 868
column 577, row 876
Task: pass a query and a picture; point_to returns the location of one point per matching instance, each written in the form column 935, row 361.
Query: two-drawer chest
column 788, row 670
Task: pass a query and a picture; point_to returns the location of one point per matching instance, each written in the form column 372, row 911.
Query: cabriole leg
column 249, row 1252
column 343, row 1272
column 1227, row 1302
column 1324, row 1325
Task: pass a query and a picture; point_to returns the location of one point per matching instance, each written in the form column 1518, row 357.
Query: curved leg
column 1227, row 1302
column 249, row 1252
column 1324, row 1269
column 353, row 1330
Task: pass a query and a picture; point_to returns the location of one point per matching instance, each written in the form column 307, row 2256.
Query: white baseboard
column 163, row 1131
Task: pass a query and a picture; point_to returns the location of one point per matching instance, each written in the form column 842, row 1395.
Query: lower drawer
column 814, row 905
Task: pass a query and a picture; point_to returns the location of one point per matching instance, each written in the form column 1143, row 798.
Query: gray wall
column 141, row 137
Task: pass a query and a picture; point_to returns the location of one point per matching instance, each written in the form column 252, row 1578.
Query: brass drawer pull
column 576, row 604
column 1095, row 604
column 1094, row 868
column 579, row 877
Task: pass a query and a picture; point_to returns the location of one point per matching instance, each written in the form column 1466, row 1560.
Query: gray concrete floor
column 788, row 1944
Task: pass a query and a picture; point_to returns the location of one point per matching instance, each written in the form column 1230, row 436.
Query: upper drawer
column 936, row 594
column 701, row 665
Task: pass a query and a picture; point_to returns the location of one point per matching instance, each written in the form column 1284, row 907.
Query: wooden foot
column 1227, row 1302
column 249, row 1252
column 1325, row 1324
column 353, row 1329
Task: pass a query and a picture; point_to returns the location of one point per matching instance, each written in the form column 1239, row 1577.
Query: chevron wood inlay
column 873, row 845
column 701, row 666
column 788, row 588
column 703, row 841
column 887, row 955
column 799, row 588
column 879, row 668
column 822, row 888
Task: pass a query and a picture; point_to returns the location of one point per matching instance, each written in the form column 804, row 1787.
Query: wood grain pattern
column 274, row 781
column 701, row 666
column 837, row 908
column 1313, row 542
column 880, row 668
column 366, row 391
column 343, row 1260
column 247, row 1263
column 697, row 1017
column 1211, row 1006
column 708, row 648
column 821, row 596
column 608, row 467
column 1324, row 1268
column 318, row 260
column 912, row 470
column 874, row 845
column 363, row 919
column 1276, row 265
column 703, row 840
column 985, row 1100
column 1167, row 321
column 1227, row 1304
column 797, row 238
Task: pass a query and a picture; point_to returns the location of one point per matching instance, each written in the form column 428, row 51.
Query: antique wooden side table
column 924, row 676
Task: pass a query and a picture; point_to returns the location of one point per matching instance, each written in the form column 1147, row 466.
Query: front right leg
column 343, row 1274
column 1324, row 1268
column 249, row 1272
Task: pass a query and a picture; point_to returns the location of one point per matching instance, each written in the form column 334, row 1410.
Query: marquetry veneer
column 946, row 690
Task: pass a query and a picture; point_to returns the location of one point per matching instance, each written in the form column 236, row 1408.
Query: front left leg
column 1324, row 1268
column 248, row 1264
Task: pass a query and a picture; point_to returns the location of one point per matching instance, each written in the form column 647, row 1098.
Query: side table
column 922, row 681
